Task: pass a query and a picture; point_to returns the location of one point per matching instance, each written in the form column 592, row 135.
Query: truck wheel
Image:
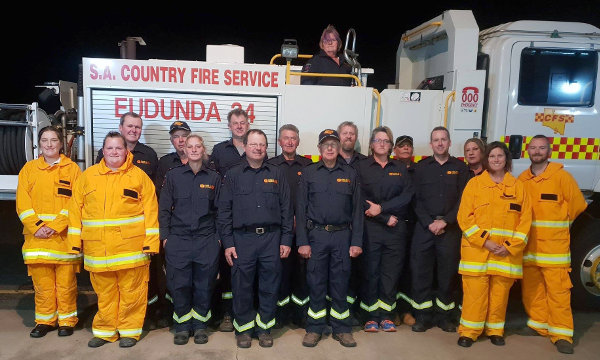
column 585, row 262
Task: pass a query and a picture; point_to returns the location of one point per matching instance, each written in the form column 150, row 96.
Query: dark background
column 44, row 43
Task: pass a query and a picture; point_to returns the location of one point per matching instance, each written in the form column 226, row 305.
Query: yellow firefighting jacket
column 498, row 212
column 43, row 192
column 113, row 217
column 556, row 201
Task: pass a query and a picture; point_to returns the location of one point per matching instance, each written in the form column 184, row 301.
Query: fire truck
column 506, row 83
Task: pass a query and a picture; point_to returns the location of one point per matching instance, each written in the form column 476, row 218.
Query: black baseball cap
column 328, row 133
column 404, row 138
column 179, row 125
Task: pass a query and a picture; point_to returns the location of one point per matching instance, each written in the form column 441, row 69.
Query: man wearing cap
column 435, row 248
column 329, row 230
column 255, row 222
column 403, row 152
column 144, row 157
column 293, row 289
column 225, row 155
column 178, row 132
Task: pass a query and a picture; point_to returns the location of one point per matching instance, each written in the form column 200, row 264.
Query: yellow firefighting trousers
column 122, row 299
column 547, row 301
column 55, row 288
column 484, row 305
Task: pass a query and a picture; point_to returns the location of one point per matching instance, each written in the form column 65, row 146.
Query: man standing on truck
column 546, row 290
column 144, row 157
column 439, row 181
column 225, row 155
column 293, row 277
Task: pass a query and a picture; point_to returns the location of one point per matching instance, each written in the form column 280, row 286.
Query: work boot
column 564, row 347
column 96, row 342
column 497, row 340
column 40, row 330
column 200, row 336
column 465, row 341
column 447, row 325
column 311, row 339
column 126, row 342
column 243, row 341
column 181, row 337
column 345, row 339
column 227, row 324
column 421, row 326
column 65, row 330
column 408, row 319
column 265, row 340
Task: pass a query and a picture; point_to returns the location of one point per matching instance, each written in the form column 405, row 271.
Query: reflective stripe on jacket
column 43, row 193
column 113, row 217
column 498, row 212
column 556, row 201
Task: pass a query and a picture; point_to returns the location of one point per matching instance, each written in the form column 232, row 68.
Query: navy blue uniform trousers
column 192, row 266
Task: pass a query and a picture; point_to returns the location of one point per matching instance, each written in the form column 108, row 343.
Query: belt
column 259, row 230
column 332, row 228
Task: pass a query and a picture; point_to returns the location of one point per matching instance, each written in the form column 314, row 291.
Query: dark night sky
column 48, row 45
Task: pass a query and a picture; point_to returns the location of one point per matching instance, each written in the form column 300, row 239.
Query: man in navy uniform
column 255, row 222
column 329, row 220
column 293, row 289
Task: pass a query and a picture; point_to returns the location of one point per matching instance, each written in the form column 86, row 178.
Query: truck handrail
column 277, row 56
column 406, row 37
column 451, row 95
column 554, row 33
column 378, row 95
column 298, row 73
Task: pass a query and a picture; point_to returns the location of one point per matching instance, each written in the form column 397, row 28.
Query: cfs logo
column 469, row 99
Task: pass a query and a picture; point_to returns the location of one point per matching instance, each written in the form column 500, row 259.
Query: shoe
column 408, row 319
column 265, row 340
column 126, row 342
column 497, row 340
column 311, row 339
column 200, row 336
column 447, row 325
column 65, row 330
column 227, row 324
column 388, row 326
column 564, row 347
column 181, row 337
column 96, row 342
column 527, row 331
column 421, row 326
column 40, row 330
column 371, row 326
column 243, row 341
column 465, row 341
column 345, row 339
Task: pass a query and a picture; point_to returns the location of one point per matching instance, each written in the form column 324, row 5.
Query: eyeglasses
column 333, row 145
column 381, row 141
column 255, row 145
column 329, row 41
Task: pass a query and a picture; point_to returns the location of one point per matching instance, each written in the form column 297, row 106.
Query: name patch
column 452, row 172
column 273, row 181
column 207, row 186
column 394, row 174
column 549, row 197
column 343, row 180
column 145, row 162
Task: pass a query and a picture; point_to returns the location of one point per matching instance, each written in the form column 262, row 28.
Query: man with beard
column 546, row 290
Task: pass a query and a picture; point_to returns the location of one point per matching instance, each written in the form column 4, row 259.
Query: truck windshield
column 557, row 77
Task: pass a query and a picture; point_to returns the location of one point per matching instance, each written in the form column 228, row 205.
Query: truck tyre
column 585, row 262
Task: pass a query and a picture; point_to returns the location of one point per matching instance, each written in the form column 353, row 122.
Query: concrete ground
column 17, row 319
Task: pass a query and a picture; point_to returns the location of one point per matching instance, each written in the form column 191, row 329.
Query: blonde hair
column 196, row 136
column 387, row 131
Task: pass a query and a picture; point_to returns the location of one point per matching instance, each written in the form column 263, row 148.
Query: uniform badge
column 343, row 180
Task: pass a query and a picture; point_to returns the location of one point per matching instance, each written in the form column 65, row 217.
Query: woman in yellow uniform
column 43, row 191
column 495, row 217
column 113, row 218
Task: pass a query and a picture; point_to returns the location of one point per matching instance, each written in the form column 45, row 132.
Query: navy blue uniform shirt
column 388, row 186
column 254, row 198
column 292, row 170
column 165, row 163
column 322, row 63
column 329, row 197
column 224, row 156
column 187, row 202
column 438, row 189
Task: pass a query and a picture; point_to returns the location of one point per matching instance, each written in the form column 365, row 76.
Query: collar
column 280, row 159
column 372, row 161
column 337, row 165
column 552, row 168
column 126, row 165
column 62, row 161
column 188, row 168
column 246, row 165
column 508, row 181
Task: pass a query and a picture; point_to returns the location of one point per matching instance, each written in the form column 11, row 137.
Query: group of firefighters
column 334, row 237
